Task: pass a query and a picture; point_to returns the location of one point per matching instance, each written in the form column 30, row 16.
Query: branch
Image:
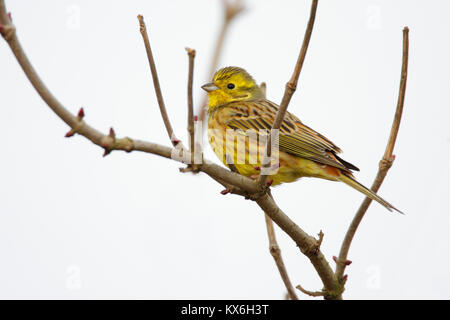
column 385, row 164
column 308, row 245
column 275, row 251
column 191, row 55
column 311, row 293
column 291, row 86
column 231, row 10
column 156, row 84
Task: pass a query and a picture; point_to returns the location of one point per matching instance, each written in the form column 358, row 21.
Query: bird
column 240, row 119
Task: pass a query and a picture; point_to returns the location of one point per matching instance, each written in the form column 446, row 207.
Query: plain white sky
column 76, row 225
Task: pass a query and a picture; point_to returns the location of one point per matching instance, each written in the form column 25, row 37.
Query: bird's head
column 231, row 84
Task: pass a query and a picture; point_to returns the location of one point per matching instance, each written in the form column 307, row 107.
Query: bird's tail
column 369, row 193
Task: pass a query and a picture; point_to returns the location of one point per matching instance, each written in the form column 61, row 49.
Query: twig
column 307, row 244
column 191, row 55
column 275, row 251
column 311, row 293
column 291, row 86
column 156, row 84
column 319, row 241
column 231, row 10
column 385, row 163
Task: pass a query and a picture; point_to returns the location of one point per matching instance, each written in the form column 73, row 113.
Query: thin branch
column 319, row 241
column 311, row 293
column 191, row 55
column 291, row 86
column 275, row 251
column 385, row 163
column 156, row 84
column 308, row 245
column 231, row 10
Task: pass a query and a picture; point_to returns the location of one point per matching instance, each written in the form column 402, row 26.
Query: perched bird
column 238, row 110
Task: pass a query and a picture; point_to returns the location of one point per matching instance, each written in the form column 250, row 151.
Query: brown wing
column 294, row 137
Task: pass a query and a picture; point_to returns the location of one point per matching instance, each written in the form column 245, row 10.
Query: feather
column 294, row 137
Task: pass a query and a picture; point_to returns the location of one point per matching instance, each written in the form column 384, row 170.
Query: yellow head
column 231, row 84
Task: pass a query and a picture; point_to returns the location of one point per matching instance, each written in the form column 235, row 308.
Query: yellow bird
column 239, row 118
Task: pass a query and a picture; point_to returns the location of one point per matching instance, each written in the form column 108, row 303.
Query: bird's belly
column 247, row 158
column 293, row 168
column 290, row 169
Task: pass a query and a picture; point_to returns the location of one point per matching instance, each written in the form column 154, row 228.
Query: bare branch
column 401, row 97
column 191, row 55
column 308, row 245
column 291, row 86
column 319, row 241
column 275, row 251
column 231, row 10
column 385, row 164
column 311, row 293
column 156, row 84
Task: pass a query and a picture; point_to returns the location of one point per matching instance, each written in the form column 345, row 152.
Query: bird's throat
column 217, row 98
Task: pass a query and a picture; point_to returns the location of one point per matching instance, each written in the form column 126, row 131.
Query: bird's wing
column 294, row 137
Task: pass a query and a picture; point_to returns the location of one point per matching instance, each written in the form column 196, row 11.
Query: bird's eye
column 230, row 86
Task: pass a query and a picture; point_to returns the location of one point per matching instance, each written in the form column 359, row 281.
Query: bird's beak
column 209, row 87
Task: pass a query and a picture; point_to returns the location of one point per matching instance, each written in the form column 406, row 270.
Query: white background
column 76, row 225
